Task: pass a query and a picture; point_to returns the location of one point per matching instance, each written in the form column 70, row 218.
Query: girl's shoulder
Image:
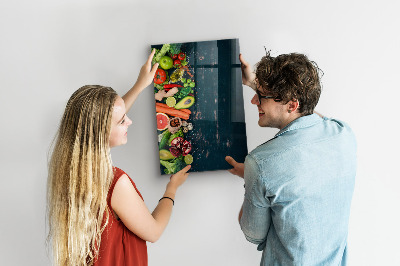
column 118, row 172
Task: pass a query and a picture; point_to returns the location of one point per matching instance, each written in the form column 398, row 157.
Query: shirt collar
column 301, row 122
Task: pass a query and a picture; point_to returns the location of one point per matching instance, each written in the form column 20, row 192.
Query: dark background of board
column 219, row 127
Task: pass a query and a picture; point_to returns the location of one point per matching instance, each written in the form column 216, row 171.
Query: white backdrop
column 50, row 48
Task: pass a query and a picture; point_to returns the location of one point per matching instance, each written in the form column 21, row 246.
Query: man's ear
column 293, row 105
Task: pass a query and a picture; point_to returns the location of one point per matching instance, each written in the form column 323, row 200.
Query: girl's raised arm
column 144, row 79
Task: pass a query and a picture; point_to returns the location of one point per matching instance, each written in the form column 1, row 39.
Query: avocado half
column 185, row 103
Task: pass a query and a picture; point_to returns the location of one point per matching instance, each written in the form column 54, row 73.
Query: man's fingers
column 244, row 63
column 230, row 160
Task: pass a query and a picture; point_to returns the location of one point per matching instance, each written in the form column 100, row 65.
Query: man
column 299, row 184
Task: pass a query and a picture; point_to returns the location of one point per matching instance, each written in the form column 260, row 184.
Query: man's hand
column 248, row 76
column 238, row 168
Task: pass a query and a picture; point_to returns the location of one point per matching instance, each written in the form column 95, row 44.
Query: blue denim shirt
column 298, row 191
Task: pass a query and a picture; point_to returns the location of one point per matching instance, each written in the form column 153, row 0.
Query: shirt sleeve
column 256, row 217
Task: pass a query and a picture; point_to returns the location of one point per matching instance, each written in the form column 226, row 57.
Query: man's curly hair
column 290, row 77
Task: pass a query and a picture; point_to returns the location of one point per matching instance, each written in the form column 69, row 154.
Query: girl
column 96, row 214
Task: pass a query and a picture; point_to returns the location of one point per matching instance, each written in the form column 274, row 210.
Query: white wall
column 50, row 48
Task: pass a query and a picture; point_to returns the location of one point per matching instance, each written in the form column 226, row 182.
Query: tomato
column 160, row 76
column 174, row 56
column 177, row 63
column 181, row 56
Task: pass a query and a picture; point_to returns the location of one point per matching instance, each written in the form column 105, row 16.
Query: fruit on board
column 166, row 62
column 181, row 56
column 166, row 155
column 177, row 63
column 185, row 103
column 186, row 147
column 171, row 101
column 188, row 159
column 160, row 76
column 162, row 121
column 176, row 146
column 175, row 151
column 180, row 146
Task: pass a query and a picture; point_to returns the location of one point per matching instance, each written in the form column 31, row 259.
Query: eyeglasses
column 276, row 99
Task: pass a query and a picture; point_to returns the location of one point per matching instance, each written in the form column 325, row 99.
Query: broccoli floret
column 173, row 166
column 175, row 48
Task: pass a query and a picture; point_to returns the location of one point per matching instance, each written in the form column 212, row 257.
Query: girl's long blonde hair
column 80, row 174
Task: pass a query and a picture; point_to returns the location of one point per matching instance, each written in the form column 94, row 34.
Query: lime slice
column 188, row 159
column 171, row 101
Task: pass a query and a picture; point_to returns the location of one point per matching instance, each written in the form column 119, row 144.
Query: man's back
column 299, row 187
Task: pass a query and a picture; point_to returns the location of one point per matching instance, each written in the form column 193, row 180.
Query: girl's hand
column 179, row 178
column 146, row 74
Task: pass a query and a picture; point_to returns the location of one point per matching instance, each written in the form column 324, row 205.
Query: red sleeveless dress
column 119, row 246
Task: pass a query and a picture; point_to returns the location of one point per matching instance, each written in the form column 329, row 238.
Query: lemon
column 188, row 159
column 171, row 101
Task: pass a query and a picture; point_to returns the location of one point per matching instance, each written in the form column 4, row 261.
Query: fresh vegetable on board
column 160, row 76
column 172, row 112
column 175, row 48
column 173, row 91
column 174, row 165
column 165, row 139
column 161, row 53
column 177, row 63
column 169, row 86
column 166, row 106
column 165, row 94
column 181, row 56
column 179, row 133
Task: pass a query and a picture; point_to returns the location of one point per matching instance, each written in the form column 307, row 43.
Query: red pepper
column 170, row 86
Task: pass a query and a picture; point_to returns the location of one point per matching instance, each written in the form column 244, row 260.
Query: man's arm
column 254, row 216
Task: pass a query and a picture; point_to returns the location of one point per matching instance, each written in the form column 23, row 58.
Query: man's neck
column 290, row 119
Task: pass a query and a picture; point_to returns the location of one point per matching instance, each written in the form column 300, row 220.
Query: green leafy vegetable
column 184, row 62
column 165, row 137
column 183, row 92
column 175, row 48
column 161, row 53
column 179, row 133
column 174, row 165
